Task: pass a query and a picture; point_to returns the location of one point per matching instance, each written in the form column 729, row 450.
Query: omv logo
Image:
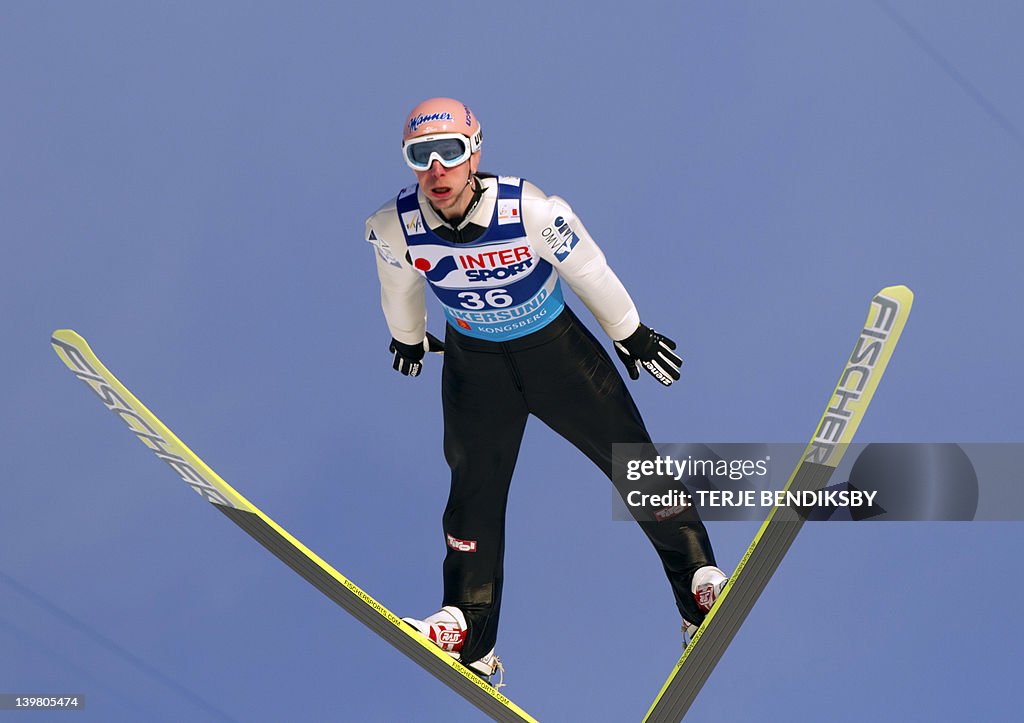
column 437, row 271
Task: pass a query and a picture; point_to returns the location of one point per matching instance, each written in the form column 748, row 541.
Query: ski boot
column 447, row 630
column 707, row 586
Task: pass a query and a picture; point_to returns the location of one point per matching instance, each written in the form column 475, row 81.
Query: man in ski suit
column 495, row 251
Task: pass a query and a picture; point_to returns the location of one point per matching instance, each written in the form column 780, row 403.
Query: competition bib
column 496, row 287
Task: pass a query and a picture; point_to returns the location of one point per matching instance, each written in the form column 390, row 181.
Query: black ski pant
column 564, row 377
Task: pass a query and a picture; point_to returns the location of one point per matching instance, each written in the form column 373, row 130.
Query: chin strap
column 452, row 230
column 478, row 193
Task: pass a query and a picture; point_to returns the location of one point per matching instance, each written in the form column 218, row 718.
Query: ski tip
column 901, row 293
column 68, row 336
column 897, row 290
column 68, row 341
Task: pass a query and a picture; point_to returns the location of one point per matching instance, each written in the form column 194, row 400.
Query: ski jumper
column 512, row 349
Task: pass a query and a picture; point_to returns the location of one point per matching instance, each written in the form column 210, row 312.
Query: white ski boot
column 447, row 630
column 707, row 586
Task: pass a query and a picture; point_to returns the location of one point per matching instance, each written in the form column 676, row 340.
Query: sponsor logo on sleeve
column 383, row 249
column 560, row 238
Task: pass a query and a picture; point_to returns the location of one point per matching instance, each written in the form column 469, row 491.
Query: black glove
column 409, row 357
column 647, row 348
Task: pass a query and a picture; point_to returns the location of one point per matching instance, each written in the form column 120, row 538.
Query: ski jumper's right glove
column 409, row 357
column 648, row 349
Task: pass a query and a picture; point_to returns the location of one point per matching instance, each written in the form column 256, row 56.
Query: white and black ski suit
column 512, row 349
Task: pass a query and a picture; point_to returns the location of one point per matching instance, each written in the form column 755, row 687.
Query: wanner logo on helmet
column 420, row 118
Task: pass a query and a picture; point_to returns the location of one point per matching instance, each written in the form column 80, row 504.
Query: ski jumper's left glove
column 409, row 357
column 648, row 349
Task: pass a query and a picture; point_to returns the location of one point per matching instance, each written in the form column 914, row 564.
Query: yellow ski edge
column 892, row 299
column 76, row 353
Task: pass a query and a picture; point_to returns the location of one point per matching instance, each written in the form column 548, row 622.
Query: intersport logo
column 484, row 265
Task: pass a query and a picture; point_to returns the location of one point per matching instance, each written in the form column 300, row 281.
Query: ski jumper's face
column 449, row 189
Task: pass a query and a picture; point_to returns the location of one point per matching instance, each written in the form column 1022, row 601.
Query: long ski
column 843, row 414
column 76, row 354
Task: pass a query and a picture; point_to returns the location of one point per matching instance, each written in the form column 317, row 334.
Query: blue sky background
column 185, row 184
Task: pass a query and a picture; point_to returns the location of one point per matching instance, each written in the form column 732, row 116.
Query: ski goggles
column 449, row 149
